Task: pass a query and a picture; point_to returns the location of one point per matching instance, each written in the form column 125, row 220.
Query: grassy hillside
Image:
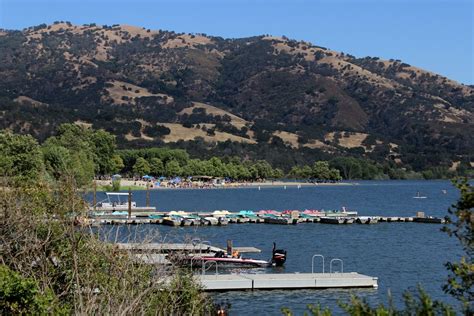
column 287, row 101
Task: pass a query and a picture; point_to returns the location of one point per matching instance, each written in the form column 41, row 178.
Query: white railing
column 337, row 260
column 312, row 262
column 204, row 263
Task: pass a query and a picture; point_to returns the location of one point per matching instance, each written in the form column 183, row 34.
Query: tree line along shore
column 87, row 154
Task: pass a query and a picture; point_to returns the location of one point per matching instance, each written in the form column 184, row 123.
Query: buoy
column 259, row 188
column 284, row 187
column 299, row 186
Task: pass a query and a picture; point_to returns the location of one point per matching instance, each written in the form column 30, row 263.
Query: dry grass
column 83, row 124
column 454, row 165
column 338, row 63
column 351, row 141
column 187, row 40
column 118, row 34
column 452, row 114
column 314, row 143
column 179, row 132
column 288, row 138
column 24, row 99
column 235, row 120
column 131, row 91
column 292, row 140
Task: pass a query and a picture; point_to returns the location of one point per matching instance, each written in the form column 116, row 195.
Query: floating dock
column 116, row 220
column 285, row 281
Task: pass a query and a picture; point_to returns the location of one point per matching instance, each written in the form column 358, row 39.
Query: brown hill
column 153, row 87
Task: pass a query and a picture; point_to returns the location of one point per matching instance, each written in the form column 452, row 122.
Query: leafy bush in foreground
column 49, row 265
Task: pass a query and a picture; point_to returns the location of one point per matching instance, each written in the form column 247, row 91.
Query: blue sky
column 437, row 35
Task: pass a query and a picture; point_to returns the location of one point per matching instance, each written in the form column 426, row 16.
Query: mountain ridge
column 160, row 87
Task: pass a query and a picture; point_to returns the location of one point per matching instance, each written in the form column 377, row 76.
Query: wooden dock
column 285, row 281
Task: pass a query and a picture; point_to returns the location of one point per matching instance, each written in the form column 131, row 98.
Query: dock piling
column 129, row 203
column 94, row 201
column 147, row 194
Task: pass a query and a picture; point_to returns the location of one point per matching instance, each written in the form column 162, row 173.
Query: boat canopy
column 246, row 212
column 116, row 193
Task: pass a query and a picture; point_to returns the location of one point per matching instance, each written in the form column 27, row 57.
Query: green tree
column 295, row 172
column 306, row 172
column 172, row 168
column 19, row 295
column 253, row 171
column 116, row 184
column 349, row 167
column 57, row 160
column 461, row 225
column 242, row 172
column 156, row 167
column 218, row 168
column 321, row 170
column 141, row 167
column 21, row 158
column 278, row 173
column 49, row 266
column 264, row 169
column 117, row 163
column 232, row 170
column 76, row 139
column 103, row 144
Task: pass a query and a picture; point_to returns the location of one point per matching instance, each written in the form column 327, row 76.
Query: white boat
column 419, row 196
column 118, row 201
column 235, row 260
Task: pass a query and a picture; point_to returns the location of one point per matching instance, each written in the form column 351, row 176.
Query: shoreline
column 140, row 185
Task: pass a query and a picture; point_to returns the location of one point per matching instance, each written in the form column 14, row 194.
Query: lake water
column 401, row 255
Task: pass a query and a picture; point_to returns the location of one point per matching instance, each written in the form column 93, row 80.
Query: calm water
column 401, row 255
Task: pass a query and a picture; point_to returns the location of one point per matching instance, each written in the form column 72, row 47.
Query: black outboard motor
column 278, row 256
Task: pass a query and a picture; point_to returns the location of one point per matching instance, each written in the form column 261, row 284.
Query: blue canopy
column 176, row 180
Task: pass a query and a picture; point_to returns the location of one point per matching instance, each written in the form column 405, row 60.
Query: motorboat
column 223, row 259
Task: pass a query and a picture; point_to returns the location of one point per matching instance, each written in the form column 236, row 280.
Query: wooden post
column 129, row 203
column 229, row 247
column 147, row 194
column 94, row 201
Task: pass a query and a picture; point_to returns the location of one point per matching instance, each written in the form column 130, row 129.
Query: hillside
column 264, row 97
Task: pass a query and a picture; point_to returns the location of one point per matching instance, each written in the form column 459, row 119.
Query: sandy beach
column 137, row 184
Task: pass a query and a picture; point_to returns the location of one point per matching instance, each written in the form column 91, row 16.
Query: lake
column 401, row 255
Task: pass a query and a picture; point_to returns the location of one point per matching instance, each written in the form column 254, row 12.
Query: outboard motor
column 278, row 256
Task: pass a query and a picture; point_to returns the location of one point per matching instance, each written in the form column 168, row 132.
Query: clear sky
column 437, row 35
